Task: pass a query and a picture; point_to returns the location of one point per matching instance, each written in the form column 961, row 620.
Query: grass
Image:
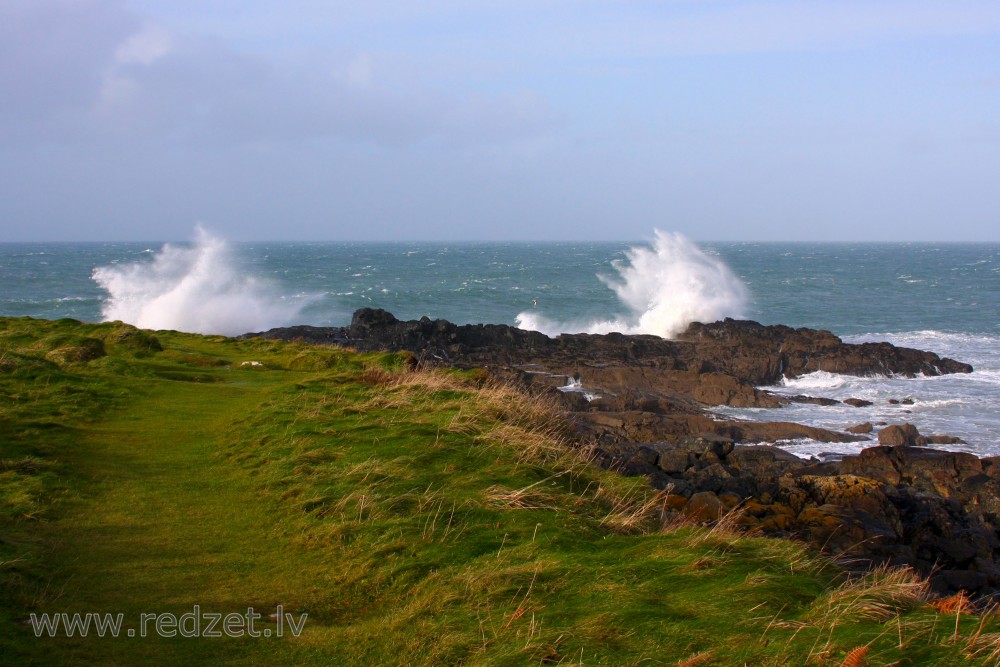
column 423, row 518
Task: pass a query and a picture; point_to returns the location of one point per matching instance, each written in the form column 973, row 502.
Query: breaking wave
column 664, row 288
column 196, row 289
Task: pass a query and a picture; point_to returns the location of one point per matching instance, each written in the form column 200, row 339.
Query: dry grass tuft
column 878, row 595
column 532, row 497
column 985, row 647
column 533, row 445
column 728, row 528
column 635, row 513
column 377, row 377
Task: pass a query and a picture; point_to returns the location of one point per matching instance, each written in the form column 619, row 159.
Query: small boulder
column 673, row 461
column 896, row 435
column 944, row 440
column 704, row 507
column 814, row 400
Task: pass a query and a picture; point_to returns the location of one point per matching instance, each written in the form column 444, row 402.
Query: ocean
column 940, row 297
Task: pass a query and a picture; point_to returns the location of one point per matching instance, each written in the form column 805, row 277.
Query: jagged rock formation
column 642, row 403
column 937, row 511
column 635, row 388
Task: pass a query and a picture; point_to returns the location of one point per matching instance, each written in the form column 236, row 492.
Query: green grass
column 417, row 518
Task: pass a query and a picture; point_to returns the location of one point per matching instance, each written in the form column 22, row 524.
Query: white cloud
column 146, row 46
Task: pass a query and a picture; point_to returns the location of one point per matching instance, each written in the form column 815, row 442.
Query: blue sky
column 446, row 120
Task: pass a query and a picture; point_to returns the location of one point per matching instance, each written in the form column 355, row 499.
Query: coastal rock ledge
column 643, row 405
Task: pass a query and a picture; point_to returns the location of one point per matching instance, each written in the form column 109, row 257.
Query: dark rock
column 991, row 465
column 704, row 507
column 943, row 440
column 763, row 460
column 675, row 461
column 861, row 428
column 814, row 400
column 857, row 402
column 961, row 580
column 778, row 431
column 896, row 435
column 764, row 354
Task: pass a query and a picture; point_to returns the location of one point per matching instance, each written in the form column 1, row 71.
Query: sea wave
column 663, row 288
column 196, row 289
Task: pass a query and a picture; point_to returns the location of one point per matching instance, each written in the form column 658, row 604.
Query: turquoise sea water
column 942, row 297
column 849, row 289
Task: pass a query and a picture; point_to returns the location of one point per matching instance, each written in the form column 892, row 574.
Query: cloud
column 53, row 55
column 146, row 46
column 93, row 71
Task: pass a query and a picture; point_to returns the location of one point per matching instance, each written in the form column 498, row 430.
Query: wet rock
column 898, row 435
column 861, row 428
column 778, row 431
column 766, row 353
column 943, row 440
column 857, row 402
column 814, row 400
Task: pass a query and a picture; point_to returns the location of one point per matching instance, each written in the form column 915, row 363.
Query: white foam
column 817, row 380
column 195, row 289
column 966, row 405
column 664, row 288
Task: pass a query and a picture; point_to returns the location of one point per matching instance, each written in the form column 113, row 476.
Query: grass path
column 164, row 524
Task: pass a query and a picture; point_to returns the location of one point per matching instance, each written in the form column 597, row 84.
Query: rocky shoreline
column 643, row 405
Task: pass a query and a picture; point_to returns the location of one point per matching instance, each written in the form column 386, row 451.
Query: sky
column 781, row 120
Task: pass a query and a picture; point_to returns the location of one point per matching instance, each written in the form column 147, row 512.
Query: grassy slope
column 417, row 519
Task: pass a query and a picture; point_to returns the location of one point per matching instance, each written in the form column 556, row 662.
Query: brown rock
column 897, row 435
column 776, row 431
column 874, row 462
column 814, row 400
column 704, row 507
column 944, row 440
column 763, row 460
column 674, row 502
column 855, row 493
column 674, row 461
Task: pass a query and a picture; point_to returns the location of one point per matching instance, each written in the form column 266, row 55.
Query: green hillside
column 400, row 516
